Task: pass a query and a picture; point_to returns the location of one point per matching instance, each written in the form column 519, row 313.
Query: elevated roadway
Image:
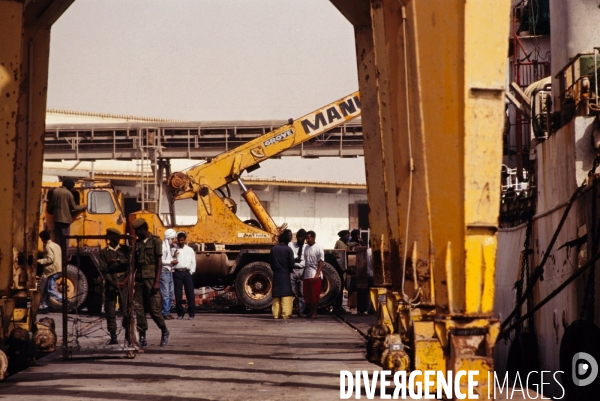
column 184, row 140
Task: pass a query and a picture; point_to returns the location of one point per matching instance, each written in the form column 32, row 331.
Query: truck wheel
column 331, row 286
column 77, row 288
column 254, row 284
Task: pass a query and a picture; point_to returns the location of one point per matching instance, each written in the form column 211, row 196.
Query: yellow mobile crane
column 244, row 261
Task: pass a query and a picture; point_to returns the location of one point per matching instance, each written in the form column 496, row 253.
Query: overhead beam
column 356, row 11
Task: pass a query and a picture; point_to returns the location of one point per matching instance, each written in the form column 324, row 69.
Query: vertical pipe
column 596, row 74
column 130, row 310
column 65, row 327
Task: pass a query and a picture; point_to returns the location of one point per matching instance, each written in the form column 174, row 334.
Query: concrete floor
column 215, row 357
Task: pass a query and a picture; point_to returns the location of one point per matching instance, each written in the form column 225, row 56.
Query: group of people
column 163, row 269
column 179, row 263
column 114, row 266
column 297, row 270
column 349, row 240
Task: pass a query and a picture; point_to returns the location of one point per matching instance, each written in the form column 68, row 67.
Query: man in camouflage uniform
column 114, row 265
column 148, row 265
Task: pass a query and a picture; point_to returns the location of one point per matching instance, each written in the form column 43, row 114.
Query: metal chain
column 589, row 295
column 524, row 269
column 526, row 252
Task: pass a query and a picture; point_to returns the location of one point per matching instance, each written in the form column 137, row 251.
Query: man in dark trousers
column 182, row 276
column 282, row 264
column 298, row 249
column 114, row 265
column 314, row 256
column 148, row 266
column 61, row 207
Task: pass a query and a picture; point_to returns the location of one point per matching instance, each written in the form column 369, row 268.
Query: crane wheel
column 77, row 289
column 254, row 285
column 331, row 286
column 3, row 365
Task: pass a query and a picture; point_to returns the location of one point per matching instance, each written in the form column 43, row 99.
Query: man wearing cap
column 342, row 243
column 166, row 277
column 148, row 265
column 182, row 277
column 114, row 265
column 61, row 206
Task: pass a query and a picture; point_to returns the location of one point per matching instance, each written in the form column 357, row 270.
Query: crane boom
column 228, row 166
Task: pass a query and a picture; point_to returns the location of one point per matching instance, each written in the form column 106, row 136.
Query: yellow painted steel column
column 484, row 120
column 11, row 27
column 24, row 55
column 439, row 74
column 379, row 164
column 439, row 70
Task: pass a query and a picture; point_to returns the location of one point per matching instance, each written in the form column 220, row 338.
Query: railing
column 517, row 207
column 518, row 201
column 184, row 140
column 578, row 85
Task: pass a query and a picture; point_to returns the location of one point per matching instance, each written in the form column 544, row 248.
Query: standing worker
column 298, row 274
column 148, row 265
column 355, row 239
column 360, row 301
column 342, row 243
column 314, row 256
column 282, row 264
column 182, row 276
column 166, row 277
column 52, row 263
column 114, row 265
column 61, row 207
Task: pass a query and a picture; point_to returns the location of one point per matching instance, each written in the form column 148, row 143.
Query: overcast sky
column 201, row 59
column 207, row 60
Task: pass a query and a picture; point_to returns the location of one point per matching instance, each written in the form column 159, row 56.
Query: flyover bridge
column 184, row 140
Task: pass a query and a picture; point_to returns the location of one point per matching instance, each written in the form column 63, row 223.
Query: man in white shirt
column 298, row 274
column 182, row 276
column 166, row 277
column 314, row 256
column 52, row 263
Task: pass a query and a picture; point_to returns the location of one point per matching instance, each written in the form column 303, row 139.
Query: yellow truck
column 104, row 210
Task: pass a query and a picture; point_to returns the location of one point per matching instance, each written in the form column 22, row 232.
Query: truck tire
column 331, row 286
column 77, row 288
column 254, row 285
